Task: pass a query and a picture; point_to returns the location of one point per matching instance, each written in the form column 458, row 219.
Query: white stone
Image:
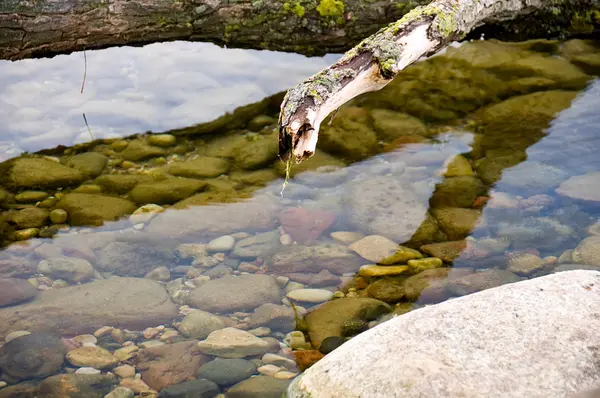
column 15, row 334
column 221, row 244
column 374, row 248
column 279, row 360
column 88, row 371
column 346, row 237
column 269, row 370
column 233, row 343
column 536, row 338
column 310, row 295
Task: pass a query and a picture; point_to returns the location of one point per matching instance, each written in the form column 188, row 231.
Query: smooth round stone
column 401, row 256
column 31, row 196
column 27, row 233
column 226, row 372
column 161, row 274
column 58, row 216
column 69, row 268
column 162, row 140
column 221, row 244
column 331, row 343
column 94, row 357
column 89, row 188
column 15, row 334
column 86, row 370
column 233, row 343
column 346, row 237
column 124, row 371
column 285, row 375
column 278, row 360
column 374, row 248
column 385, row 270
column 85, row 338
column 120, row 392
column 310, row 295
column 269, row 370
column 421, row 264
column 15, row 290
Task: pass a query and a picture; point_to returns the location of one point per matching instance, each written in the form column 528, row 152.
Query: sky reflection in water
column 130, row 90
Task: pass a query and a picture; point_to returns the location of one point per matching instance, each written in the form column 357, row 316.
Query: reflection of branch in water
column 88, row 126
column 84, row 73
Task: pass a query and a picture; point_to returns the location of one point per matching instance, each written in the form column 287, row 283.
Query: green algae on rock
column 202, row 167
column 87, row 209
column 35, row 172
column 165, row 192
column 327, row 320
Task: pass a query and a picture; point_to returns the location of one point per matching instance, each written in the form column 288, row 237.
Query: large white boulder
column 536, row 338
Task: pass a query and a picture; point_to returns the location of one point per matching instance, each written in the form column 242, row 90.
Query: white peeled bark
column 376, row 60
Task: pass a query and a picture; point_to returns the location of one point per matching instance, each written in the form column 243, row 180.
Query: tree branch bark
column 33, row 28
column 375, row 61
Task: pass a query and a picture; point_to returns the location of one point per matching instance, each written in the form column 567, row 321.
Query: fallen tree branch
column 374, row 62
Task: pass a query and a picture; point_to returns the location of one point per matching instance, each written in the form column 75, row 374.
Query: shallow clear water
column 473, row 164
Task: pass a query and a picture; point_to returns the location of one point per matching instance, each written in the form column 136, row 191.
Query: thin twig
column 88, row 126
column 84, row 74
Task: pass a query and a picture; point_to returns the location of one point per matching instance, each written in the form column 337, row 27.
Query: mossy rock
column 391, row 125
column 261, row 121
column 257, row 153
column 457, row 192
column 90, row 164
column 459, row 166
column 121, row 183
column 490, row 168
column 350, row 135
column 327, row 320
column 319, row 159
column 33, row 172
column 428, row 286
column 139, row 149
column 428, row 232
column 390, row 290
column 5, row 196
column 512, row 62
column 212, row 197
column 31, row 217
column 86, row 209
column 439, row 89
column 257, row 177
column 447, row 251
column 202, row 167
column 519, row 122
column 456, row 222
column 165, row 192
column 224, row 146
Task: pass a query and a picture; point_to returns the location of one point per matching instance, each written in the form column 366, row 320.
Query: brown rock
column 26, row 389
column 305, row 225
column 170, row 363
column 19, row 267
column 32, row 356
column 307, row 358
column 327, row 319
column 323, row 278
column 427, row 286
column 333, row 257
column 447, row 251
column 255, row 214
column 13, row 290
column 77, row 386
column 132, row 303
